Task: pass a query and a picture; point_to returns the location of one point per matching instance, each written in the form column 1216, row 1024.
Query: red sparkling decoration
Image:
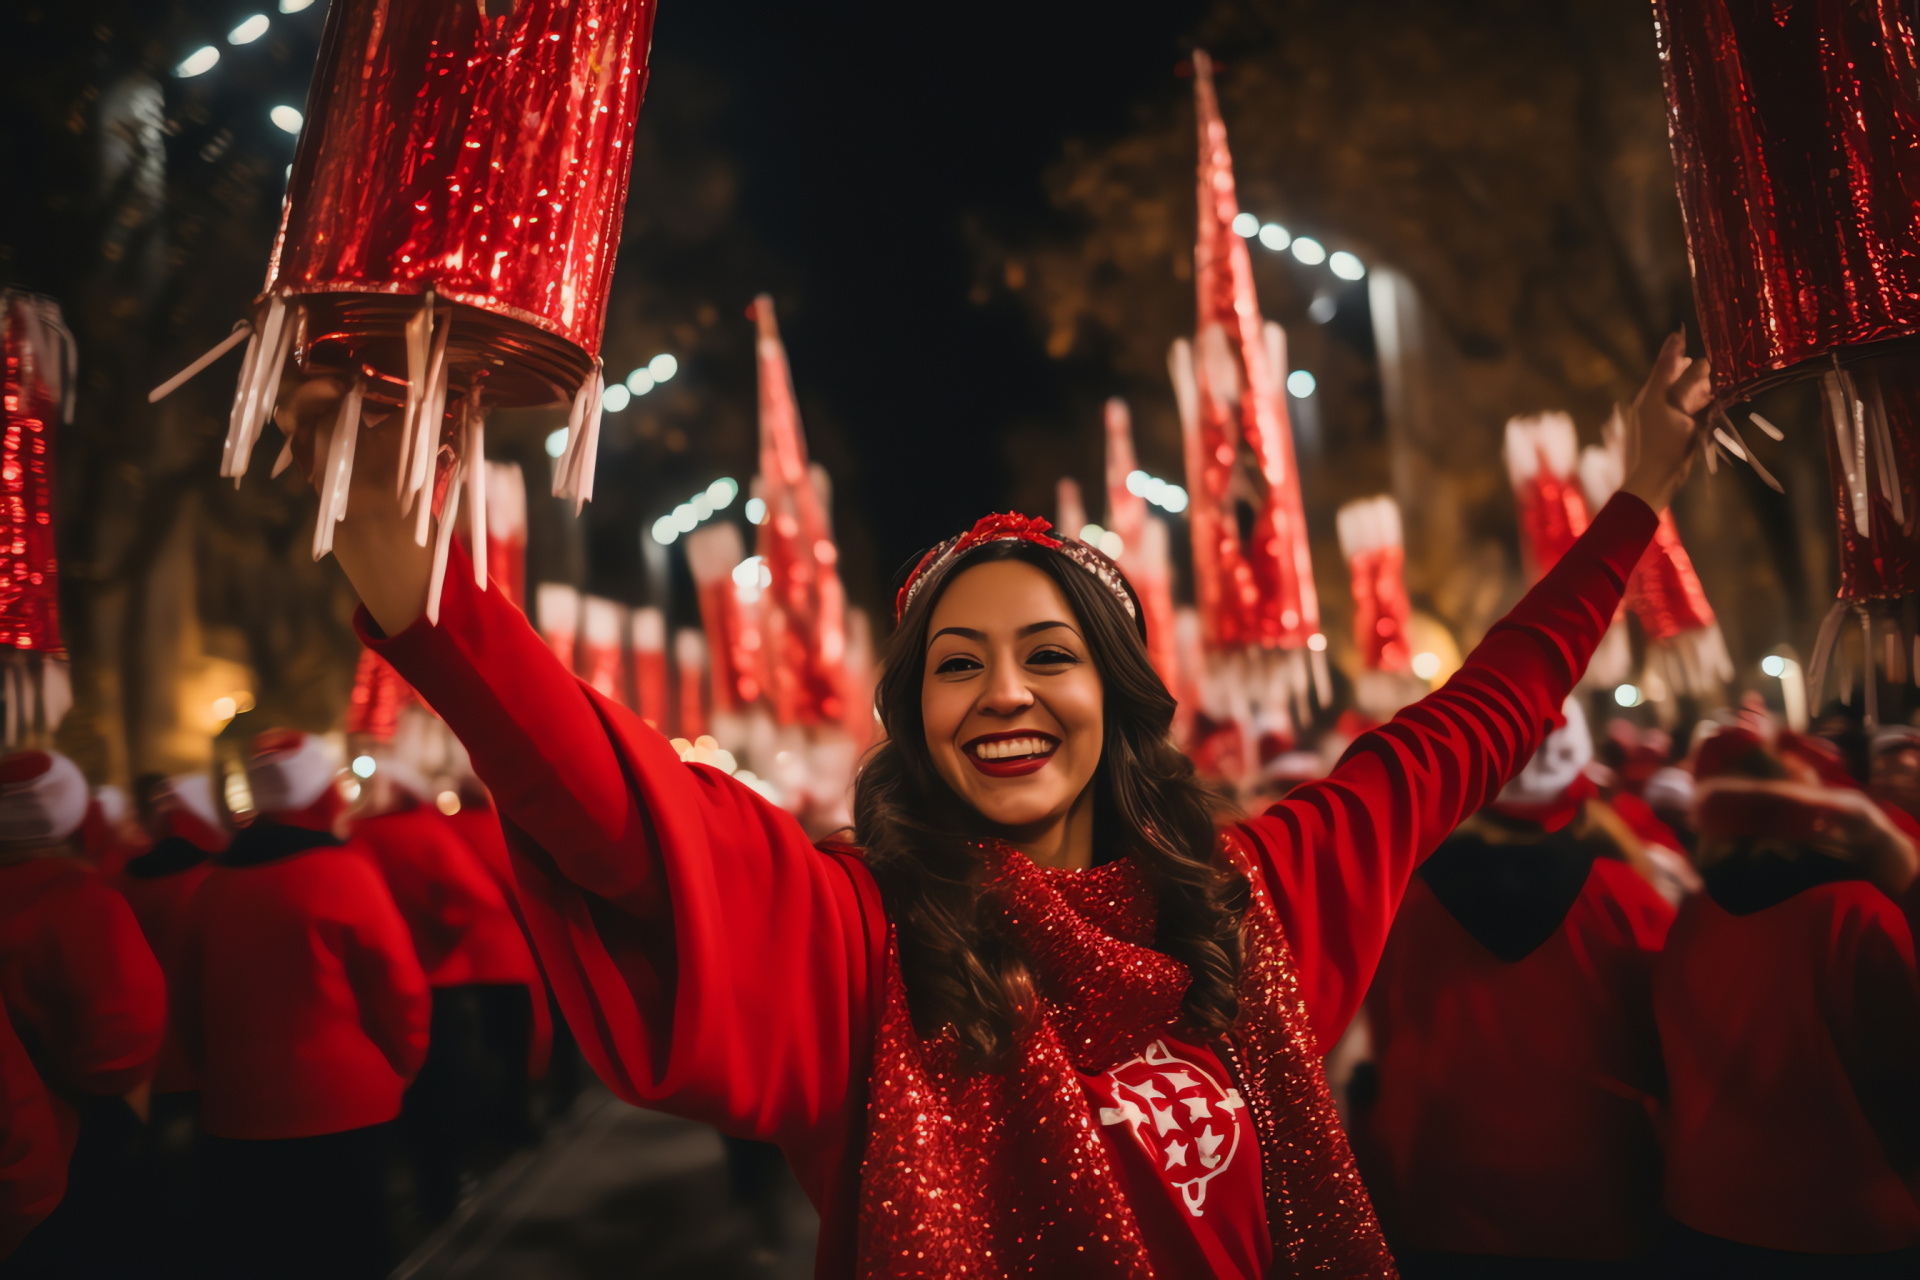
column 483, row 157
column 29, row 570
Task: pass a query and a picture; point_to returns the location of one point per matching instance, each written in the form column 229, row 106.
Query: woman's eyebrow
column 1032, row 628
column 966, row 633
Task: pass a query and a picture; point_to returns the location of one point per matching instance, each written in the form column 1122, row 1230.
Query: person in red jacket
column 88, row 1001
column 1789, row 1015
column 1047, row 1020
column 477, row 964
column 1515, row 1056
column 33, row 1165
column 304, row 1012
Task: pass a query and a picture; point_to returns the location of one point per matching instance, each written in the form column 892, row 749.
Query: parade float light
column 755, row 511
column 199, row 62
column 640, row 381
column 1167, row 496
column 1246, row 226
column 663, row 367
column 1426, row 665
column 363, row 766
column 556, row 443
column 616, row 398
column 250, row 30
column 1346, row 266
column 1300, row 384
column 287, row 118
column 1627, row 695
column 1275, row 237
column 1309, row 251
column 697, row 510
column 295, row 6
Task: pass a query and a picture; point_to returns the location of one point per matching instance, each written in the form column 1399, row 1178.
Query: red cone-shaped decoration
column 1143, row 543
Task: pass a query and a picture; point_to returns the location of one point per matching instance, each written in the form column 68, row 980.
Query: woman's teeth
column 1011, row 747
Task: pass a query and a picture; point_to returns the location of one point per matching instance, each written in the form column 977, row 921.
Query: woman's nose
column 1007, row 690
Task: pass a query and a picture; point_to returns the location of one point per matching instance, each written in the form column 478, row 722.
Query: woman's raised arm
column 1337, row 854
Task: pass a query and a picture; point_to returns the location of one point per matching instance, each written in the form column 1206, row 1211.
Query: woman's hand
column 1664, row 425
column 374, row 544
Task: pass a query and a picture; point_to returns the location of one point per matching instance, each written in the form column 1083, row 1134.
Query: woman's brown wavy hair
column 920, row 838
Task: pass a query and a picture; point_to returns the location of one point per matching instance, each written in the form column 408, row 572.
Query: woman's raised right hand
column 374, row 544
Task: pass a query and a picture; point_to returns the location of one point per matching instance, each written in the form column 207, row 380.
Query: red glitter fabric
column 29, row 572
column 1001, row 1173
column 1795, row 130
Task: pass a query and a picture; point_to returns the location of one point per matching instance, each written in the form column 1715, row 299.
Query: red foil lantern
column 39, row 371
column 690, row 679
column 1371, row 540
column 650, row 666
column 379, row 696
column 556, row 614
column 1260, row 593
column 481, row 158
column 1542, row 452
column 604, row 623
column 806, row 629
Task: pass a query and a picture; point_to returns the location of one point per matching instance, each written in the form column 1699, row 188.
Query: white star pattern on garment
column 1156, row 1076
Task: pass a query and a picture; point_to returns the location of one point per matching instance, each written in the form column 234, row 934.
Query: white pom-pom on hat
column 43, row 797
column 288, row 771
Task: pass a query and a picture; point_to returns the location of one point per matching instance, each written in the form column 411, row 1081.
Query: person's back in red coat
column 305, row 1013
column 475, row 958
column 86, row 997
column 1514, row 1046
column 1789, row 1013
column 159, row 884
column 33, row 1163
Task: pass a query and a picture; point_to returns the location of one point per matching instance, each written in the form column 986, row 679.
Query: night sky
column 867, row 136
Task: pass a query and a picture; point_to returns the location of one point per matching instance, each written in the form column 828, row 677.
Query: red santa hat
column 43, row 797
column 183, row 806
column 288, row 771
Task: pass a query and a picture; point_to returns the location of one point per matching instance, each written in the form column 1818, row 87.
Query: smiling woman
column 1050, row 1020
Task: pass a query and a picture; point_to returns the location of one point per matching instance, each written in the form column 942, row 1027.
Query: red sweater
column 33, row 1163
column 479, row 828
column 301, row 1004
column 714, row 964
column 1513, row 1112
column 456, row 912
column 1792, row 1043
column 159, row 894
column 80, row 983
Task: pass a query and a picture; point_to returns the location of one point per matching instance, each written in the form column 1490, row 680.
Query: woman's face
column 1010, row 697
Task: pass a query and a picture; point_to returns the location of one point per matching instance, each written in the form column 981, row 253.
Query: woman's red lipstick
column 1016, row 765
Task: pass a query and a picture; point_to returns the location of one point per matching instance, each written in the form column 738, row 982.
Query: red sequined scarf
column 992, row 1174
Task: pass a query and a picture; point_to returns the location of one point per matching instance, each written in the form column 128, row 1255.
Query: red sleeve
column 106, row 995
column 1872, row 998
column 377, row 952
column 33, row 1167
column 710, row 960
column 1337, row 853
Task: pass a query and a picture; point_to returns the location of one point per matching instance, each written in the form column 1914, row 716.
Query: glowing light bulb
column 1275, row 237
column 250, row 30
column 288, row 118
column 295, row 6
column 663, row 367
column 1246, row 226
column 615, row 398
column 199, row 62
column 1309, row 251
column 665, row 531
column 639, row 382
column 556, row 442
column 722, row 492
column 1774, row 665
column 1627, row 695
column 755, row 511
column 1346, row 266
column 363, row 766
column 1300, row 384
column 1426, row 665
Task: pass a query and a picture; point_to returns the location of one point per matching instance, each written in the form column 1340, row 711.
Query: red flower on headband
column 988, row 528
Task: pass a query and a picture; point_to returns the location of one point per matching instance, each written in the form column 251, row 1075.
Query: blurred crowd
column 280, row 1047
column 1652, row 1011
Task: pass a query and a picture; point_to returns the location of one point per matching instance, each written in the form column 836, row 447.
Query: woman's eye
column 1051, row 657
column 958, row 662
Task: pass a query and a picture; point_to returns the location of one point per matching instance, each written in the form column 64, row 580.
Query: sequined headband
column 1014, row 527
